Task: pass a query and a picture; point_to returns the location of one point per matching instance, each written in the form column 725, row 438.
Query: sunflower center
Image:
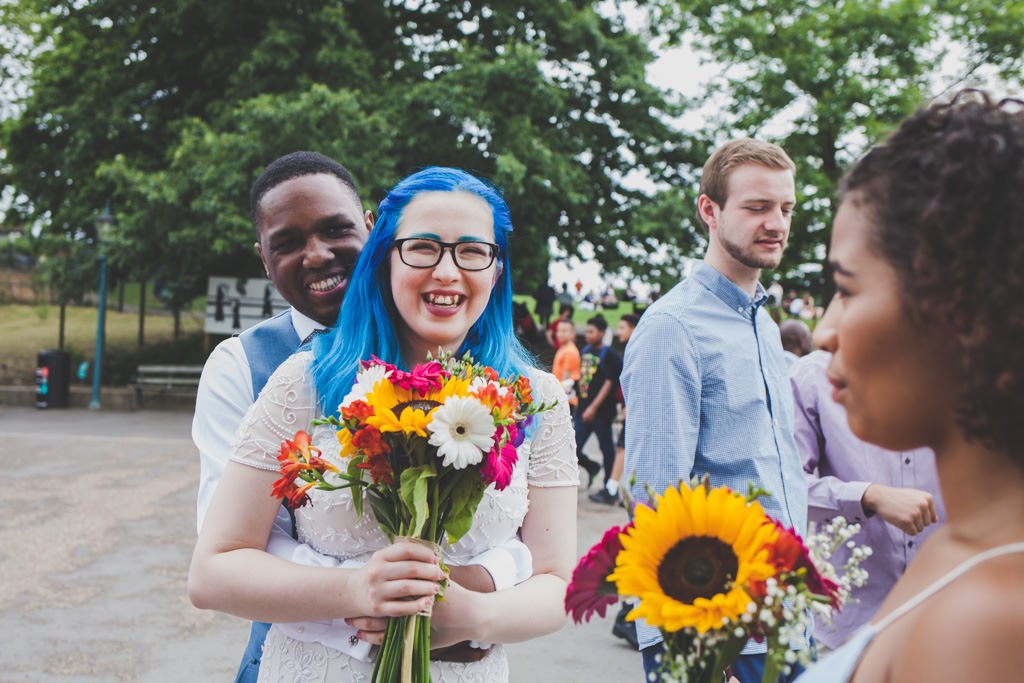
column 424, row 404
column 697, row 567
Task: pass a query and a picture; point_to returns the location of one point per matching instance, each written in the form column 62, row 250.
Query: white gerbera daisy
column 463, row 431
column 365, row 381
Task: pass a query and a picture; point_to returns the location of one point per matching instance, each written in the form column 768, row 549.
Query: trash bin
column 53, row 379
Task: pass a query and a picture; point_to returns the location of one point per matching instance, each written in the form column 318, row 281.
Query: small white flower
column 365, row 381
column 463, row 431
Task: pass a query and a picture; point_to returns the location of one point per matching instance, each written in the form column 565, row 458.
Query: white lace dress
column 330, row 525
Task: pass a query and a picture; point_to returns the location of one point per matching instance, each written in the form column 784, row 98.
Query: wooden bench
column 172, row 381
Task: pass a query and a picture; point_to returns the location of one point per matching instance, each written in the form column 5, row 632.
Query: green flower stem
column 773, row 662
column 408, row 647
column 423, row 648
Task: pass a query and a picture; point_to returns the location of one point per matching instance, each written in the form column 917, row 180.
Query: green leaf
column 413, row 491
column 464, row 499
column 384, row 513
column 355, row 472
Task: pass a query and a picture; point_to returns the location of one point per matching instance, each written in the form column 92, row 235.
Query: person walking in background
column 705, row 379
column 597, row 388
column 544, row 300
column 609, row 493
column 796, row 339
column 565, row 312
column 894, row 496
column 566, row 366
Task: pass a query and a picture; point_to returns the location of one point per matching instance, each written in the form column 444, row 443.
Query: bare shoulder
column 970, row 631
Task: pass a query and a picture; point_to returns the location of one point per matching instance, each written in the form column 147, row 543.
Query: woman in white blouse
column 398, row 307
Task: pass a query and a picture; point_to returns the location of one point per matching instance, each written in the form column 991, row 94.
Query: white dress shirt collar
column 303, row 325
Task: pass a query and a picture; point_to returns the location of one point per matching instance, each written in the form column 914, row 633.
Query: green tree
column 171, row 109
column 826, row 79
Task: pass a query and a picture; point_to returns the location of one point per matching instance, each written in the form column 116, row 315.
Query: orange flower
column 501, row 407
column 294, row 496
column 299, row 454
column 523, row 390
column 357, row 410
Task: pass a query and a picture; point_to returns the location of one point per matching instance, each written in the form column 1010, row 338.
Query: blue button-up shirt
column 707, row 392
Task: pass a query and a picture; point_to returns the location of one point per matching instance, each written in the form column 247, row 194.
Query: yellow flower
column 453, row 387
column 691, row 559
column 384, row 398
column 345, row 439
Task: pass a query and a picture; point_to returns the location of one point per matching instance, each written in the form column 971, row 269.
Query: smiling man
column 705, row 379
column 310, row 229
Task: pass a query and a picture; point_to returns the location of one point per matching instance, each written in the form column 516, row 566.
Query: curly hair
column 945, row 193
column 294, row 165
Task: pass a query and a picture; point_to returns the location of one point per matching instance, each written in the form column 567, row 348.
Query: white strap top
column 839, row 666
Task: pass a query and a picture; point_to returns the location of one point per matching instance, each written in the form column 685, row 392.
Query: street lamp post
column 104, row 223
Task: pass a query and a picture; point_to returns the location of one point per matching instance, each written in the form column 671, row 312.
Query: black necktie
column 309, row 337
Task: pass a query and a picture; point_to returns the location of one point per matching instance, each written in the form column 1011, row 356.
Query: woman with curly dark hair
column 927, row 336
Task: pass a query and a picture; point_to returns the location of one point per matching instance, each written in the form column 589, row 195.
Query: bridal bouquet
column 420, row 447
column 711, row 570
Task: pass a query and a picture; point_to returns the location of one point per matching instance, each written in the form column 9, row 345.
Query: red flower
column 491, row 374
column 357, row 410
column 499, row 462
column 377, row 361
column 370, row 441
column 789, row 554
column 380, row 468
column 590, row 592
column 424, row 378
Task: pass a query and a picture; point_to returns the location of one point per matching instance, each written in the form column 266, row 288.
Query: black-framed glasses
column 423, row 252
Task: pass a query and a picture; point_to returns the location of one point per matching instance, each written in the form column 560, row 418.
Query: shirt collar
column 304, row 326
column 726, row 290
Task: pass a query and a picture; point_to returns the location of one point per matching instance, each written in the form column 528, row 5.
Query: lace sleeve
column 553, row 446
column 286, row 405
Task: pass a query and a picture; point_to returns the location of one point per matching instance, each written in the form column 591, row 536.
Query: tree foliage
column 170, row 110
column 827, row 78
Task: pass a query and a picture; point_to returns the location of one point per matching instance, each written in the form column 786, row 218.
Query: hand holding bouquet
column 421, row 448
column 711, row 570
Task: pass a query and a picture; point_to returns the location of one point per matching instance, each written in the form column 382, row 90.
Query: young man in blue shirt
column 705, row 379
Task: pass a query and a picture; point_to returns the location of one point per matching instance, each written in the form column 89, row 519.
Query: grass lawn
column 29, row 329
column 580, row 316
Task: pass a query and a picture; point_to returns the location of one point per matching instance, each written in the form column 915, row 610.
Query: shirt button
column 907, row 461
column 301, row 629
column 910, row 544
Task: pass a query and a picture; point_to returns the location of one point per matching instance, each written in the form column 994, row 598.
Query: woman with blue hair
column 434, row 275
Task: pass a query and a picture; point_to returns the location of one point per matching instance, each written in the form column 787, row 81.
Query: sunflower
column 691, row 560
column 403, row 410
